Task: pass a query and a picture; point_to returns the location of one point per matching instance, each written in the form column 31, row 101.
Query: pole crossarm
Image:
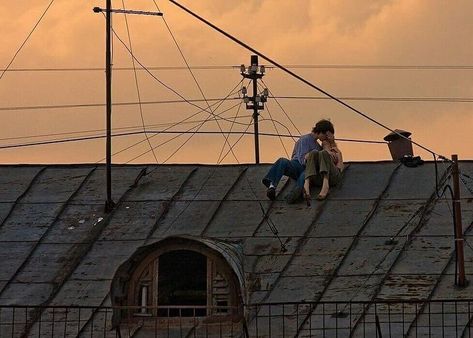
column 127, row 11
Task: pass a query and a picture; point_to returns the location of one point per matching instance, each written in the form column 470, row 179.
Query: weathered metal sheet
column 56, row 185
column 11, row 257
column 26, row 293
column 392, row 216
column 103, row 259
column 47, row 261
column 14, row 180
column 82, row 293
column 28, row 222
column 341, row 218
column 414, row 183
column 132, row 221
column 250, row 186
column 318, row 257
column 76, row 223
column 186, row 218
column 359, row 176
column 210, row 183
column 161, row 183
column 94, row 190
column 236, row 219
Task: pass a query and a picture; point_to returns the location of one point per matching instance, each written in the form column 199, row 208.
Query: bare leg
column 307, row 187
column 325, row 187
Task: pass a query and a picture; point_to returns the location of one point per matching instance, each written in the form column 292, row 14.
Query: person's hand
column 306, row 156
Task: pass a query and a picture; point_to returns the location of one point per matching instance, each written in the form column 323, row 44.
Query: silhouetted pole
column 458, row 223
column 255, row 102
column 254, row 62
column 109, row 204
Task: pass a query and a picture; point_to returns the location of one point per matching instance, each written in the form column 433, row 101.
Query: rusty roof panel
column 319, row 257
column 297, row 289
column 392, row 216
column 333, row 223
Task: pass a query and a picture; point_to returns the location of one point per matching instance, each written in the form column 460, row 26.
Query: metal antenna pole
column 254, row 63
column 256, row 101
column 109, row 204
column 458, row 223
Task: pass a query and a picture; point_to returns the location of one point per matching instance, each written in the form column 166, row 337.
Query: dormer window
column 181, row 281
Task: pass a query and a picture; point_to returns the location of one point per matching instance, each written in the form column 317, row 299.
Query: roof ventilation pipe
column 398, row 146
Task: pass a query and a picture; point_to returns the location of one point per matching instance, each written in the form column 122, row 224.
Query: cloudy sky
column 299, row 32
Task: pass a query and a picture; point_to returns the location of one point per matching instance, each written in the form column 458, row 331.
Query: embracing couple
column 312, row 164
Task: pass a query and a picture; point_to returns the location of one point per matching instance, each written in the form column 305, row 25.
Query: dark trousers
column 320, row 163
column 291, row 168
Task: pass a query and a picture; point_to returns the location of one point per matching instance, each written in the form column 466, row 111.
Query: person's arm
column 340, row 164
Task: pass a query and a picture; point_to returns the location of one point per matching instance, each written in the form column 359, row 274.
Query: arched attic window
column 178, row 278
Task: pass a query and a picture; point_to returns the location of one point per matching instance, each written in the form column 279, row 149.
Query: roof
column 58, row 247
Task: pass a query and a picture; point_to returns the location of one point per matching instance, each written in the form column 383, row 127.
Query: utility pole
column 460, row 257
column 256, row 101
column 109, row 204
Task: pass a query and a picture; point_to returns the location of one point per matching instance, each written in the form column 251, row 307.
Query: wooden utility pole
column 460, row 257
column 256, row 101
column 109, row 204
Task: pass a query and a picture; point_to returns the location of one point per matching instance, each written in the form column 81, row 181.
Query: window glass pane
column 182, row 280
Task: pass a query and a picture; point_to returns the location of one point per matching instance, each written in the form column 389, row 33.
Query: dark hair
column 323, row 126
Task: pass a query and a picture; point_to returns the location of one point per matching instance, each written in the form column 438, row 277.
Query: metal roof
column 58, row 247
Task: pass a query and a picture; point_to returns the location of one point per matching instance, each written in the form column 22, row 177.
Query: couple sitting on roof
column 311, row 164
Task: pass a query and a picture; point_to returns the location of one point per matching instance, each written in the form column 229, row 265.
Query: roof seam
column 368, row 218
column 19, row 198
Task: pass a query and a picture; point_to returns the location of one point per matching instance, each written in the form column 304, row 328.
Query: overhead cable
column 231, row 67
column 26, row 39
column 298, row 77
column 157, row 132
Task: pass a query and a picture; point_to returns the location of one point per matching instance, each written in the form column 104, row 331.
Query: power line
column 26, row 40
column 194, row 77
column 300, row 78
column 137, row 85
column 95, row 137
column 91, row 105
column 126, row 128
column 347, row 98
column 382, row 98
column 231, row 67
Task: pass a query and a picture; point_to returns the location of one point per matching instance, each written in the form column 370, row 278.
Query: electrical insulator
column 266, row 92
column 242, row 68
column 243, row 90
column 246, row 99
column 262, row 69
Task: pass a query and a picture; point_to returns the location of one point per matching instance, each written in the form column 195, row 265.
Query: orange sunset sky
column 298, row 32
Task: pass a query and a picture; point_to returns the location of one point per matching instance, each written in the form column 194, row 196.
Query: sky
column 299, row 32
